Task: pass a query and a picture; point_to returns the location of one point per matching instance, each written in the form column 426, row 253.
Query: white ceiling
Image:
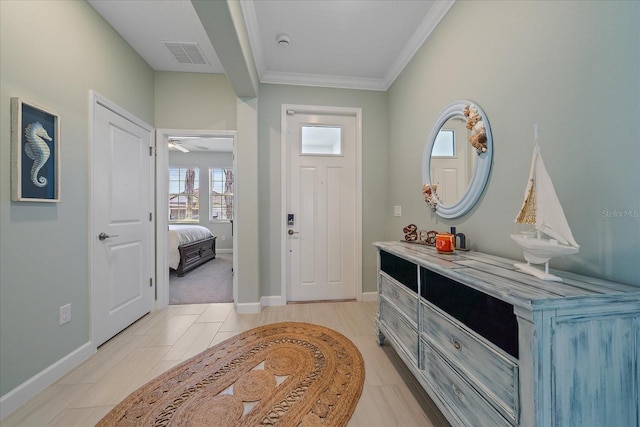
column 362, row 44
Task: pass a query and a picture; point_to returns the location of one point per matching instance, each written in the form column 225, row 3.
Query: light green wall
column 208, row 102
column 375, row 134
column 571, row 67
column 194, row 101
column 44, row 246
column 247, row 201
column 204, row 161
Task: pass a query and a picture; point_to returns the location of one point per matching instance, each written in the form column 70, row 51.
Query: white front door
column 321, row 207
column 452, row 162
column 450, row 176
column 122, row 269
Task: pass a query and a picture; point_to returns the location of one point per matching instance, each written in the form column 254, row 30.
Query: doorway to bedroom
column 196, row 205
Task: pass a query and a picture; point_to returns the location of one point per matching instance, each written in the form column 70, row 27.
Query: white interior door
column 321, row 196
column 122, row 228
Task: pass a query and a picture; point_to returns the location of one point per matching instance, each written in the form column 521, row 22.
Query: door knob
column 291, row 232
column 103, row 236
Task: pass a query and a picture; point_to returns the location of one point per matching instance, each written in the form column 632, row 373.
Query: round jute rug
column 284, row 374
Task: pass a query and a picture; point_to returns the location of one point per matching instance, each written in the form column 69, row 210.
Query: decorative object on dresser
column 423, row 237
column 541, row 210
column 410, row 233
column 457, row 159
column 445, row 242
column 493, row 346
column 460, row 240
column 189, row 246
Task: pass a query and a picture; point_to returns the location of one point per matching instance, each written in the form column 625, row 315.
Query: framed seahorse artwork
column 35, row 153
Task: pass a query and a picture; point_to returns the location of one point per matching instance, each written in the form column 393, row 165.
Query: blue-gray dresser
column 496, row 347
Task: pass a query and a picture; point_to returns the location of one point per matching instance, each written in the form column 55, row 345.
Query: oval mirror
column 457, row 159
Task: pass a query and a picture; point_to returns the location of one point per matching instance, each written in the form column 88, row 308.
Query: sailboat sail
column 541, row 205
column 527, row 214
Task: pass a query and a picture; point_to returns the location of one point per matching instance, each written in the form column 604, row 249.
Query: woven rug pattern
column 281, row 374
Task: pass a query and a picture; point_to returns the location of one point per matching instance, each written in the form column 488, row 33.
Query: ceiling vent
column 186, row 53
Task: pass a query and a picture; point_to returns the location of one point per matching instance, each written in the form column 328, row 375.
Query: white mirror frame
column 482, row 168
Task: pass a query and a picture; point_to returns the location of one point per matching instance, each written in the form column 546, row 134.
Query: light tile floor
column 164, row 338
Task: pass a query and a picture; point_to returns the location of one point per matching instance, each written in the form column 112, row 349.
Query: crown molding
column 338, row 82
column 251, row 22
column 429, row 23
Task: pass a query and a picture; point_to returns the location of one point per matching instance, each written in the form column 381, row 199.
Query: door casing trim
column 321, row 110
column 162, row 223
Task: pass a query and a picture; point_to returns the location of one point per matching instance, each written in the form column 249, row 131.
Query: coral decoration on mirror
column 478, row 133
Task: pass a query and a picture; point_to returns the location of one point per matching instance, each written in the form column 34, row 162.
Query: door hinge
column 150, row 282
column 150, row 216
column 151, row 151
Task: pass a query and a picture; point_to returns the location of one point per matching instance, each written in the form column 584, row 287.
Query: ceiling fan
column 176, row 143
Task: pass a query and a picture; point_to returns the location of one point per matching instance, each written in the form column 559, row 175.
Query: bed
column 189, row 246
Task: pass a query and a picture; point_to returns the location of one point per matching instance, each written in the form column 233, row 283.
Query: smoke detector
column 283, row 40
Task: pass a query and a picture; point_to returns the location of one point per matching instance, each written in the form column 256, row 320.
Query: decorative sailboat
column 541, row 208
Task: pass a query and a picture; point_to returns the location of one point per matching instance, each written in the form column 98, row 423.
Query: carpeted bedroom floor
column 209, row 283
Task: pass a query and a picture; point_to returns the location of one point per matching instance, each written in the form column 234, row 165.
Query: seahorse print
column 37, row 150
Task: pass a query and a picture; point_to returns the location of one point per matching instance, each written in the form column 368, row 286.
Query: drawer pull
column 458, row 392
column 456, row 344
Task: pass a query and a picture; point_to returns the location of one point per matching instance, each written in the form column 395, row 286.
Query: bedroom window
column 221, row 194
column 184, row 194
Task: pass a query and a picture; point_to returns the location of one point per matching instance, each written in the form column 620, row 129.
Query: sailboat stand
column 537, row 251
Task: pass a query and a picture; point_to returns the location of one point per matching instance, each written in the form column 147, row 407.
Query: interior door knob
column 103, row 236
column 291, row 232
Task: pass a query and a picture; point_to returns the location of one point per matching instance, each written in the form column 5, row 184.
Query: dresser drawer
column 465, row 402
column 403, row 298
column 399, row 328
column 487, row 369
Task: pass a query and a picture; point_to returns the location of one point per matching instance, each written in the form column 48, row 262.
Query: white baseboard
column 248, row 307
column 256, row 307
column 369, row 296
column 224, row 251
column 34, row 385
column 272, row 300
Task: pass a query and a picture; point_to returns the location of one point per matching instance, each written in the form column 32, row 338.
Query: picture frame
column 35, row 153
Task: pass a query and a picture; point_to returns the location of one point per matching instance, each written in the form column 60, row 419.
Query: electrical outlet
column 397, row 211
column 65, row 314
column 224, row 237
